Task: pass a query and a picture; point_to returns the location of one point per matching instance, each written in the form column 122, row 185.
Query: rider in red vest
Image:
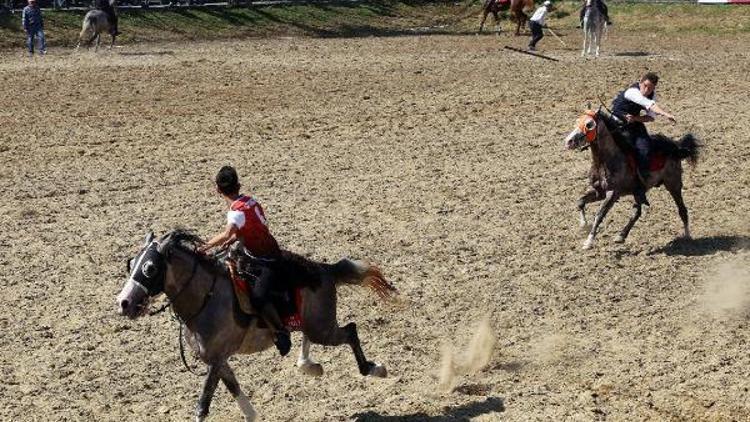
column 246, row 222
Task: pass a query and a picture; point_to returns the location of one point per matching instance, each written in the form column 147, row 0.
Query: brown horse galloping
column 613, row 170
column 200, row 292
column 517, row 14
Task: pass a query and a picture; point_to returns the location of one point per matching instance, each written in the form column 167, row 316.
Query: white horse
column 593, row 29
column 94, row 24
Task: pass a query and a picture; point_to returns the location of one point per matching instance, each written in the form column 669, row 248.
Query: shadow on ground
column 451, row 414
column 704, row 245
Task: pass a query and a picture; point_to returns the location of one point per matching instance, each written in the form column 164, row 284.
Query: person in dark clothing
column 33, row 25
column 627, row 107
column 595, row 3
column 109, row 9
column 246, row 222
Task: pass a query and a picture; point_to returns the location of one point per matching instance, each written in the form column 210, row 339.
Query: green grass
column 384, row 17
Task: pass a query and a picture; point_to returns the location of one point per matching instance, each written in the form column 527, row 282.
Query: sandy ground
column 438, row 157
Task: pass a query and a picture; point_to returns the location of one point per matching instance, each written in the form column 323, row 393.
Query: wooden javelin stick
column 531, row 53
column 558, row 38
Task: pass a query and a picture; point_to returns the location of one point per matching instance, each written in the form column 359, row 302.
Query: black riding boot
column 639, row 193
column 271, row 317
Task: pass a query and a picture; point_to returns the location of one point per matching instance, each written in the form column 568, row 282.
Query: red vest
column 254, row 232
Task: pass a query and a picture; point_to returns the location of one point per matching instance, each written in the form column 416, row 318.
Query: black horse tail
column 689, row 149
column 361, row 274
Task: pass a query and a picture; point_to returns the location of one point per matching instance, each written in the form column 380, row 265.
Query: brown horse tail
column 361, row 274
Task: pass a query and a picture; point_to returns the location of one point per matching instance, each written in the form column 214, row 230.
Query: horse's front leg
column 591, row 195
column 625, row 231
column 209, row 387
column 304, row 363
column 230, row 381
column 609, row 200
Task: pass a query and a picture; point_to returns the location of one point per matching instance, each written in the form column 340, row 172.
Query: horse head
column 586, row 131
column 146, row 278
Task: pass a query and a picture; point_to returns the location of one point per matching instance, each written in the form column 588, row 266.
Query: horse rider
column 536, row 23
column 627, row 107
column 247, row 223
column 602, row 8
column 106, row 7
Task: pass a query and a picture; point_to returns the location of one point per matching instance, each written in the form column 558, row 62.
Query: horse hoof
column 588, row 245
column 619, row 239
column 378, row 371
column 311, row 369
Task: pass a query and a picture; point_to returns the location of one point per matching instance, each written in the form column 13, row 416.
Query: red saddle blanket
column 290, row 314
column 656, row 162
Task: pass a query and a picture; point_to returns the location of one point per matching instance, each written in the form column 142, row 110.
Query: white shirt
column 634, row 95
column 539, row 15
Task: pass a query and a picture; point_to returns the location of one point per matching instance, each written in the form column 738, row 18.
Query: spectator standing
column 34, row 27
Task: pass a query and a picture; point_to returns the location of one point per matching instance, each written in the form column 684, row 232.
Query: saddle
column 244, row 269
column 658, row 156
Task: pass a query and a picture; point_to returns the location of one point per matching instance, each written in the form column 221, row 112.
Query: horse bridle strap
column 184, row 287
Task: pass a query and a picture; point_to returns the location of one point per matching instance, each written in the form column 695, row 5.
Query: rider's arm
column 660, row 111
column 229, row 235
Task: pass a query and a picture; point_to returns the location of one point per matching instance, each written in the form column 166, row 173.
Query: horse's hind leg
column 609, row 200
column 675, row 189
column 209, row 387
column 336, row 336
column 304, row 363
column 230, row 381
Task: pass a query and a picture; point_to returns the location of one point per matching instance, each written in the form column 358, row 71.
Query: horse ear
column 588, row 107
column 149, row 238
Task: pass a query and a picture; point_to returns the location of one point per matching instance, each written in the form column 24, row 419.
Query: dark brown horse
column 613, row 171
column 200, row 292
column 516, row 7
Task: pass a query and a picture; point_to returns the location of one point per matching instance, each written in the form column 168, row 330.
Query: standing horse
column 593, row 28
column 94, row 24
column 517, row 14
column 613, row 171
column 201, row 294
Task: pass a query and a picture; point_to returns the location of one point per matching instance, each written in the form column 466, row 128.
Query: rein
column 183, row 322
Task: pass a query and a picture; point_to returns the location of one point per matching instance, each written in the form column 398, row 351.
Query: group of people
column 537, row 20
column 32, row 22
column 246, row 221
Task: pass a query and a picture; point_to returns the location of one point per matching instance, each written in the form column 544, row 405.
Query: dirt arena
column 439, row 158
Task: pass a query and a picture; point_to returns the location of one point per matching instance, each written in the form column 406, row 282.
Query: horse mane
column 187, row 241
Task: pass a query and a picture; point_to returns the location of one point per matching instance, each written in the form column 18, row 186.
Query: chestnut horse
column 517, row 13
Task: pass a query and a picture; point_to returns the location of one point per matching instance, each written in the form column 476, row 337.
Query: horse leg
column 591, row 195
column 484, row 18
column 609, row 200
column 676, row 192
column 304, row 363
column 230, row 381
column 625, row 231
column 112, row 44
column 209, row 387
column 98, row 40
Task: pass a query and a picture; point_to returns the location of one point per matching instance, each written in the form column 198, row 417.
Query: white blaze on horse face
column 571, row 139
column 130, row 297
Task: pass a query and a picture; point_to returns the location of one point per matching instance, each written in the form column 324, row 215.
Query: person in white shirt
column 627, row 107
column 536, row 23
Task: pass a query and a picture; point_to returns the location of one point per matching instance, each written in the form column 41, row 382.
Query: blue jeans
column 36, row 34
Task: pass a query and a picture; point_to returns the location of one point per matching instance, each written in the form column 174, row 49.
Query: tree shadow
column 452, row 414
column 703, row 246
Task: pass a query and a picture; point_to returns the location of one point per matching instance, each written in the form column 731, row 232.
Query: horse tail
column 689, row 149
column 360, row 274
